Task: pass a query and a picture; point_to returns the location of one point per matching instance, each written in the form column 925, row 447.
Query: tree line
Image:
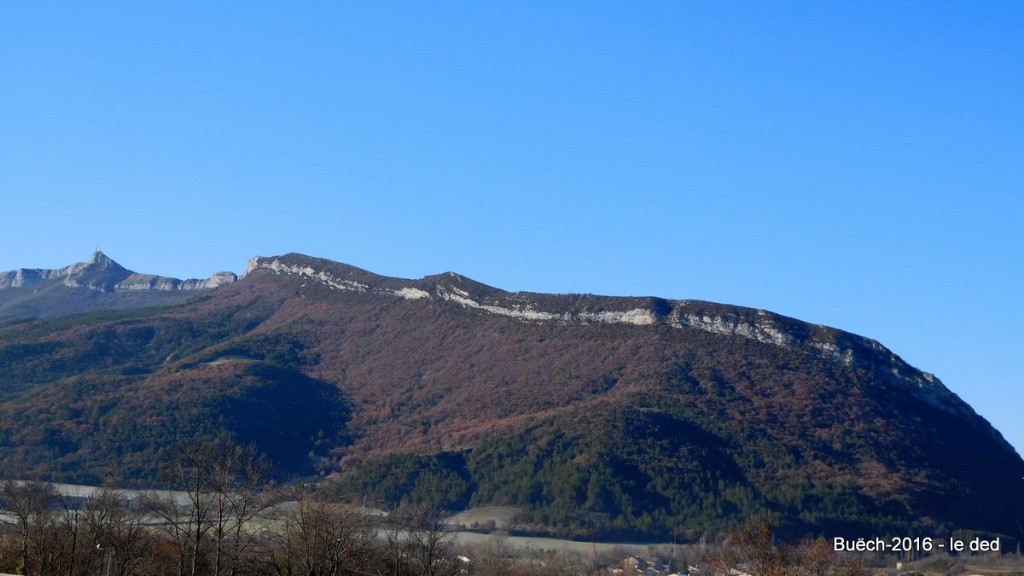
column 221, row 518
column 220, row 524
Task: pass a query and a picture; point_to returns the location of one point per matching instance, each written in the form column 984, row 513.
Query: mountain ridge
column 757, row 324
column 102, row 273
column 445, row 391
column 97, row 284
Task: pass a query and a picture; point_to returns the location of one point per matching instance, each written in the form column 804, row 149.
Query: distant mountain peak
column 104, row 262
column 109, row 285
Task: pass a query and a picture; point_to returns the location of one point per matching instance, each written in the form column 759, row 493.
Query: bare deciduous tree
column 237, row 476
column 29, row 504
column 185, row 512
column 210, row 519
column 754, row 549
column 429, row 544
column 328, row 539
column 494, row 557
column 117, row 534
column 816, row 557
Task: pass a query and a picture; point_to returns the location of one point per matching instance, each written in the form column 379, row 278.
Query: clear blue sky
column 856, row 164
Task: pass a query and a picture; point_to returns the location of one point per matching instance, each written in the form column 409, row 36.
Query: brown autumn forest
column 594, row 429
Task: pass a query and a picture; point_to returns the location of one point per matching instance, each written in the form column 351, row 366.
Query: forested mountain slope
column 639, row 417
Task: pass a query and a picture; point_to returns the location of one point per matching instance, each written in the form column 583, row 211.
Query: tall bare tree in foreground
column 314, row 537
column 186, row 519
column 29, row 504
column 209, row 520
column 429, row 546
column 116, row 534
column 237, row 477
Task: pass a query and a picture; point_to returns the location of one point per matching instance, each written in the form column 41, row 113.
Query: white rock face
column 411, row 293
column 636, row 316
column 763, row 331
column 324, row 278
column 522, row 314
column 218, row 279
